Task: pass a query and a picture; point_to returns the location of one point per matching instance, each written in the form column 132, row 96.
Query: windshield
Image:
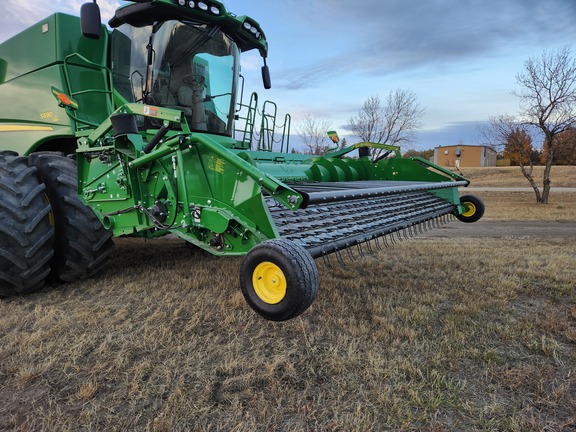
column 193, row 68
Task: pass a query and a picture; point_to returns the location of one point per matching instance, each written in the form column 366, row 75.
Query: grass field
column 429, row 335
column 561, row 176
column 522, row 205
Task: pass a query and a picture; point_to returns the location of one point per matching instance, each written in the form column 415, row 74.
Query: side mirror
column 90, row 21
column 266, row 77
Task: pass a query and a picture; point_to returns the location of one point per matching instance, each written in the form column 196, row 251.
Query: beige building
column 465, row 156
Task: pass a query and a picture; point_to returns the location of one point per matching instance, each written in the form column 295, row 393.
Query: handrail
column 91, row 65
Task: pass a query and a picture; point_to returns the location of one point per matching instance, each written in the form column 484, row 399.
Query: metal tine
column 362, row 254
column 377, row 242
column 339, row 258
column 369, row 247
column 423, row 229
column 326, row 259
column 385, row 241
column 405, row 234
column 350, row 253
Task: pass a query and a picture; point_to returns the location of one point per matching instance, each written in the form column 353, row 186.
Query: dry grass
column 430, row 335
column 511, row 206
column 522, row 205
column 561, row 176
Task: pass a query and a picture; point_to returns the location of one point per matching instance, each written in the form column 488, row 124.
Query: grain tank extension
column 130, row 131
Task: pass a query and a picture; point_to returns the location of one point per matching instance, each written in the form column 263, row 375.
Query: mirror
column 266, row 77
column 90, row 21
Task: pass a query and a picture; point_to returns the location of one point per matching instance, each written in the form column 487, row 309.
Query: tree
column 548, row 101
column 425, row 154
column 394, row 123
column 313, row 133
column 565, row 151
column 518, row 147
column 508, row 133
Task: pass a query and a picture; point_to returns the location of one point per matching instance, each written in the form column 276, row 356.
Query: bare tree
column 548, row 101
column 313, row 133
column 511, row 135
column 394, row 123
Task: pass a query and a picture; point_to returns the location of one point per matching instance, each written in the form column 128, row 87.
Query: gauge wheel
column 26, row 228
column 279, row 279
column 81, row 244
column 473, row 209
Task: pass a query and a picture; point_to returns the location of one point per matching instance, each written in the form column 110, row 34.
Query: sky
column 326, row 57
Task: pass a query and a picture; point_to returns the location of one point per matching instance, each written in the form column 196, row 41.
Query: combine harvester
column 130, row 132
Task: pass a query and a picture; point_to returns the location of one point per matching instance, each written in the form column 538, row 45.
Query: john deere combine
column 130, row 132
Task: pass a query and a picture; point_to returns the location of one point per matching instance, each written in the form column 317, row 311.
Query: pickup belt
column 337, row 218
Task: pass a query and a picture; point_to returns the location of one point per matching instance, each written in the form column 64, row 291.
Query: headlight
column 202, row 5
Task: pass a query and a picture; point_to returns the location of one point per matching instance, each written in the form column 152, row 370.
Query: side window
column 120, row 60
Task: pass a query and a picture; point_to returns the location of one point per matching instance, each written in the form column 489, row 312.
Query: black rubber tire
column 300, row 273
column 81, row 244
column 475, row 209
column 26, row 231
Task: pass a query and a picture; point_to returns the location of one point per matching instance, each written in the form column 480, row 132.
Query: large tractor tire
column 26, row 231
column 81, row 244
column 279, row 279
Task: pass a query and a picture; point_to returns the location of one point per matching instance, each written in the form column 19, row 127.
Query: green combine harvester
column 131, row 132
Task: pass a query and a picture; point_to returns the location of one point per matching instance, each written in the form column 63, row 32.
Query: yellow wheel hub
column 269, row 282
column 471, row 209
column 50, row 213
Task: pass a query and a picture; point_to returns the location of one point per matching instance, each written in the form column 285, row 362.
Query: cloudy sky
column 460, row 57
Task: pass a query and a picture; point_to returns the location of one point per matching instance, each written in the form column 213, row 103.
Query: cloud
column 466, row 132
column 18, row 15
column 380, row 38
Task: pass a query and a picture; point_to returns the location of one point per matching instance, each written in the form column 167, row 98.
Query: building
column 465, row 156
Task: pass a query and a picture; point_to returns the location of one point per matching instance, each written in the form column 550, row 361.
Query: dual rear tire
column 47, row 233
column 26, row 228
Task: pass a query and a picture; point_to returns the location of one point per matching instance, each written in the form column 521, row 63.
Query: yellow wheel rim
column 471, row 209
column 50, row 213
column 269, row 282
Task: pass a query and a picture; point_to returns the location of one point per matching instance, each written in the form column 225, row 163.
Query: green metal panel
column 32, row 64
column 33, row 115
